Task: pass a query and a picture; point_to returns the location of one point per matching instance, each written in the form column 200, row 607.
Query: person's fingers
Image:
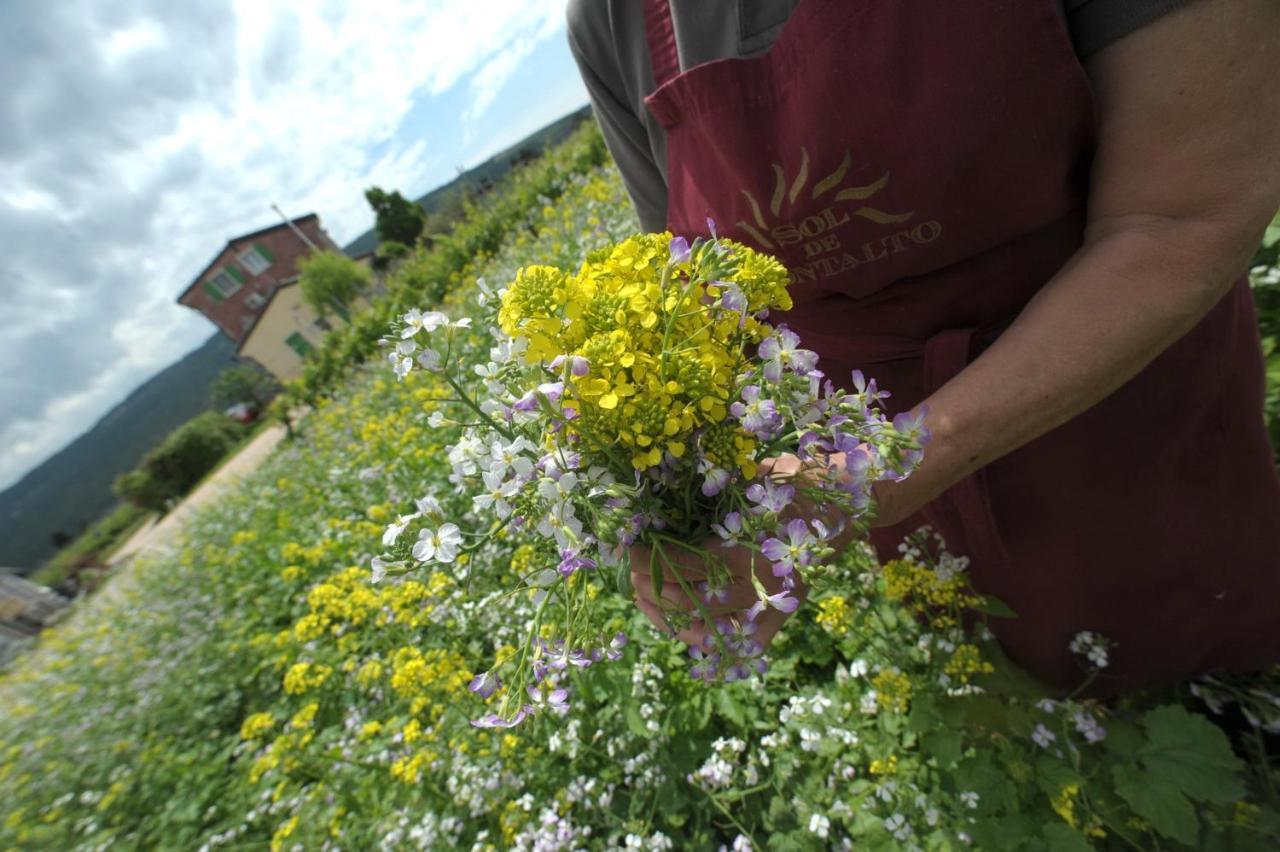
column 691, row 635
column 730, row 599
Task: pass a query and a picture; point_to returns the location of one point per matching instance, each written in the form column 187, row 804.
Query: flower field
column 257, row 689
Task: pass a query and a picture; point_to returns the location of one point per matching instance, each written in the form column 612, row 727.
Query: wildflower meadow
column 306, row 670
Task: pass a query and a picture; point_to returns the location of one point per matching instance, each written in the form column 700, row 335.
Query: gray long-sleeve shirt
column 608, row 42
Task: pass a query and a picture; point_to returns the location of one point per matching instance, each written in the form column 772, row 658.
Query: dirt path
column 161, row 534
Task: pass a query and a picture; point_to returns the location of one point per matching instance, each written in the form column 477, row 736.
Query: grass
column 99, row 540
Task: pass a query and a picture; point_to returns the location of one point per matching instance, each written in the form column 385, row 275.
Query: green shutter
column 299, row 344
column 212, row 291
column 262, row 250
column 235, row 273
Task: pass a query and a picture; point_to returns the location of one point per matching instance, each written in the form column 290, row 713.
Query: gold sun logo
column 789, row 191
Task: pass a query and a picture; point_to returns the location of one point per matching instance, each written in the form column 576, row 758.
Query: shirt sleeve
column 1094, row 24
column 626, row 136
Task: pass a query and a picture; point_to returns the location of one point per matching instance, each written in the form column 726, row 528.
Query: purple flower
column 911, row 424
column 1088, row 726
column 485, row 684
column 704, row 664
column 679, row 249
column 730, row 530
column 578, row 366
column 493, row 720
column 785, row 556
column 769, row 497
column 711, row 228
column 616, row 644
column 782, row 602
column 713, row 593
column 808, row 442
column 759, row 416
column 738, row 637
column 782, row 352
column 628, row 531
column 555, row 700
column 571, row 559
column 716, row 478
column 867, row 389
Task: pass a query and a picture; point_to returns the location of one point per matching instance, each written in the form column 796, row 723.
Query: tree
column 330, row 281
column 243, row 382
column 398, row 219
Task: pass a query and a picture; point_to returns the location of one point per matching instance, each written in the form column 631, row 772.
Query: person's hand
column 734, row 600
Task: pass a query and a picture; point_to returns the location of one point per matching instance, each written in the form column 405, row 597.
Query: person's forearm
column 1134, row 288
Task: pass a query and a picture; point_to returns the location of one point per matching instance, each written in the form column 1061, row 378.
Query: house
column 284, row 332
column 234, row 289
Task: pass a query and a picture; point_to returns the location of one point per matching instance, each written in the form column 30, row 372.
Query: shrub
column 330, row 281
column 187, row 454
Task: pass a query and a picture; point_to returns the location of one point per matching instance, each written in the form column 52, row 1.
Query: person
column 1032, row 218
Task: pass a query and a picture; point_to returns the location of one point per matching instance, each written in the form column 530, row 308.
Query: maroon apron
column 921, row 168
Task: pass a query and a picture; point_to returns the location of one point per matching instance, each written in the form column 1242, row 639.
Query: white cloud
column 300, row 106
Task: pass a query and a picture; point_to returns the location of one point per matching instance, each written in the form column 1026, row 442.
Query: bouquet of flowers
column 638, row 407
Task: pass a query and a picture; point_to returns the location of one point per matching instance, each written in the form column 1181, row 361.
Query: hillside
column 484, row 175
column 73, row 488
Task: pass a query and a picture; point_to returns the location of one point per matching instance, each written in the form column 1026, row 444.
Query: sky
column 137, row 136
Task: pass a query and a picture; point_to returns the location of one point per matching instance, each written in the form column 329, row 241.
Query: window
column 299, row 344
column 224, row 283
column 257, row 260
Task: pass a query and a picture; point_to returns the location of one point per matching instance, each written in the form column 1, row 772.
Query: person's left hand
column 734, row 600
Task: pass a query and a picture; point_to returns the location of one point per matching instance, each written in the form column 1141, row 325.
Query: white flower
column 395, row 528
column 428, row 505
column 1042, row 736
column 819, row 825
column 898, row 826
column 430, row 360
column 513, row 456
column 415, row 321
column 436, row 420
column 969, row 799
column 496, row 494
column 1091, row 645
column 440, row 545
column 379, row 568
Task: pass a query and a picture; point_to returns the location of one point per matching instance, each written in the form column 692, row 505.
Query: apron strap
column 660, row 34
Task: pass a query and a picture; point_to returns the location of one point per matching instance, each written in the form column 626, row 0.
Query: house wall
column 235, row 313
column 286, row 314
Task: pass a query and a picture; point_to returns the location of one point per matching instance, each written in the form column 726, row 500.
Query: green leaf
column 1157, row 801
column 1063, row 838
column 943, row 746
column 729, row 708
column 1053, row 775
column 1191, row 753
column 995, row 607
column 636, row 724
column 924, row 714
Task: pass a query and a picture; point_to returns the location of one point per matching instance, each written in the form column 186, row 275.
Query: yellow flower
column 256, row 725
column 834, row 615
column 304, row 717
column 893, row 690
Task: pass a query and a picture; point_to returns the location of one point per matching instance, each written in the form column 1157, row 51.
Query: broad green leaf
column 729, row 708
column 924, row 714
column 995, row 607
column 1063, row 838
column 943, row 746
column 1158, row 801
column 1053, row 775
column 1193, row 754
